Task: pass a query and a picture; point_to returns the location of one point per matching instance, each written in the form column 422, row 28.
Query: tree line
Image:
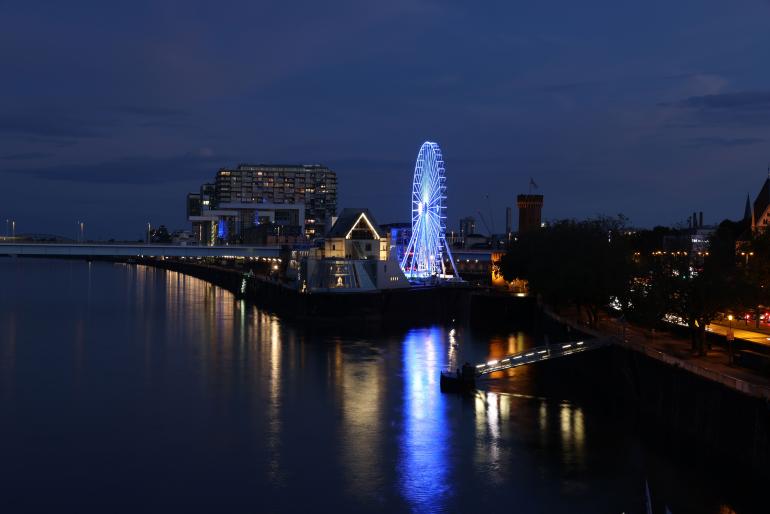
column 647, row 274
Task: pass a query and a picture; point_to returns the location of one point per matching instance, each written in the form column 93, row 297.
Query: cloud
column 572, row 87
column 201, row 164
column 745, row 108
column 152, row 112
column 51, row 126
column 26, row 156
column 155, row 117
column 369, row 165
column 705, row 142
column 730, row 101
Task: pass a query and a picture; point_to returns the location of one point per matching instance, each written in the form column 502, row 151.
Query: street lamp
column 747, row 255
column 730, row 338
column 149, row 228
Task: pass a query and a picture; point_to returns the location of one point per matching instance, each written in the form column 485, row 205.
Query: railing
column 540, row 353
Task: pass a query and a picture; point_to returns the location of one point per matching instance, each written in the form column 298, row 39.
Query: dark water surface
column 131, row 389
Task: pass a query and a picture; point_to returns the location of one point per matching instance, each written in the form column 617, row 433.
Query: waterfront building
column 530, row 212
column 356, row 235
column 293, row 197
column 358, row 255
column 313, row 185
column 474, row 265
column 480, row 267
column 400, row 234
column 473, row 240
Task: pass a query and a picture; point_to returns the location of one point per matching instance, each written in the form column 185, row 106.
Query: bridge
column 540, row 353
column 135, row 250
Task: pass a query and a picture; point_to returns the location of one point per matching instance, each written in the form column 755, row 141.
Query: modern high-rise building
column 313, row 185
column 530, row 211
column 302, row 196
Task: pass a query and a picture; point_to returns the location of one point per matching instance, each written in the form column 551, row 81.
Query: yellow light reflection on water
column 359, row 384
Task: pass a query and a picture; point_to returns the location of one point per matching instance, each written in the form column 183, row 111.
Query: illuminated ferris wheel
column 427, row 249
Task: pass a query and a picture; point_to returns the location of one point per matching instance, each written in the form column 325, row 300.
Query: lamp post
column 13, row 229
column 149, row 228
column 746, row 255
column 730, row 338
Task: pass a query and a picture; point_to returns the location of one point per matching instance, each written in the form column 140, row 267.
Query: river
column 126, row 388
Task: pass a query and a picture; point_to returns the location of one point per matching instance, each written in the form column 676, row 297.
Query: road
column 741, row 331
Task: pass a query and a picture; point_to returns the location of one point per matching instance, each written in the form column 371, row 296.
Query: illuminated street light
column 747, row 255
column 730, row 338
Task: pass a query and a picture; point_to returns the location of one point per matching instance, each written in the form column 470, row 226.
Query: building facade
column 467, row 227
column 530, row 212
column 313, row 185
column 358, row 255
column 295, row 200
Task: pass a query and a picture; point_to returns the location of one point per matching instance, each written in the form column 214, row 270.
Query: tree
column 700, row 292
column 160, row 235
column 583, row 264
column 754, row 271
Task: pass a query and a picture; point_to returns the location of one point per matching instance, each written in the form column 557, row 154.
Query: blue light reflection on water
column 423, row 463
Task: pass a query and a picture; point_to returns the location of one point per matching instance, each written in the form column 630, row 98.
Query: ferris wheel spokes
column 427, row 248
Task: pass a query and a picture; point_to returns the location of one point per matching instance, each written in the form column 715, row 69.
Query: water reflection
column 7, row 352
column 424, row 464
column 271, row 358
column 231, row 408
column 572, row 434
column 359, row 379
column 492, row 419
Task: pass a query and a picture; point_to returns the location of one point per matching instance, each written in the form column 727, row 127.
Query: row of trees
column 593, row 263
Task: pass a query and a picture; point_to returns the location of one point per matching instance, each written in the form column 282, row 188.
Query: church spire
column 747, row 211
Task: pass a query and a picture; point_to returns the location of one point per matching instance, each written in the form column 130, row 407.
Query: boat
column 460, row 381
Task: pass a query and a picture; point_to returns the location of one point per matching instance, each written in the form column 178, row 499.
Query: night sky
column 113, row 111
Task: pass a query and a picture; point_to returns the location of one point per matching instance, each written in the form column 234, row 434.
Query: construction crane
column 485, row 223
column 489, row 231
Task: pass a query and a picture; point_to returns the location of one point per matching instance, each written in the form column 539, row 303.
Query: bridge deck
column 540, row 353
column 135, row 250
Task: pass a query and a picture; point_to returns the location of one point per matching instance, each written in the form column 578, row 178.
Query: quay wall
column 688, row 414
column 692, row 412
column 418, row 305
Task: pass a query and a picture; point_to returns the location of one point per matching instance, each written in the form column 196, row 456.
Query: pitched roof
column 348, row 219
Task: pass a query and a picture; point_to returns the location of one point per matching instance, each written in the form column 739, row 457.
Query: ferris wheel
column 427, row 249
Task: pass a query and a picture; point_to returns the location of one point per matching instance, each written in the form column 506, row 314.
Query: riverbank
column 699, row 404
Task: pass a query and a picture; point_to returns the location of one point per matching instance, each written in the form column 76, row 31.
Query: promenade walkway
column 742, row 330
column 676, row 351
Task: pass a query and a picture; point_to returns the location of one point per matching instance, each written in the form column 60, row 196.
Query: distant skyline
column 112, row 113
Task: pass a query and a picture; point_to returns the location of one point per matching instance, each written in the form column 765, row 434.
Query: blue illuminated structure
column 222, row 229
column 427, row 249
